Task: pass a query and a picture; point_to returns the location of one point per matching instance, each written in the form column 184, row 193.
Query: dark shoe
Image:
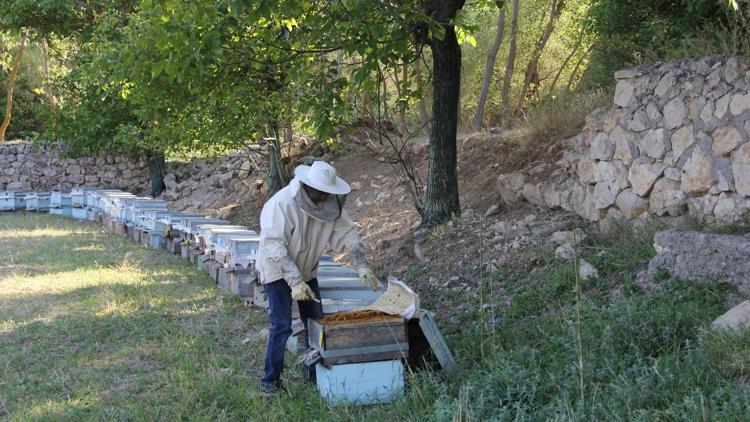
column 270, row 389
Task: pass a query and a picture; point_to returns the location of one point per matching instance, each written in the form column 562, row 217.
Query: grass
column 94, row 326
column 561, row 117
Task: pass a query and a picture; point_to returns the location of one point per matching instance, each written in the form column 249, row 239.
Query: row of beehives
column 359, row 362
column 226, row 252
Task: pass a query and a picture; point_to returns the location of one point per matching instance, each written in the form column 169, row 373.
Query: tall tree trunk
column 567, row 60
column 533, row 66
column 47, row 75
column 155, row 162
column 488, row 70
column 11, row 85
column 510, row 64
column 442, row 200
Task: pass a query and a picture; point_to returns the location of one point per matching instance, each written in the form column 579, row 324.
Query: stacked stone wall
column 25, row 167
column 675, row 141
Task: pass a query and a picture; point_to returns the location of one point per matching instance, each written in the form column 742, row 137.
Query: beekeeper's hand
column 367, row 276
column 301, row 291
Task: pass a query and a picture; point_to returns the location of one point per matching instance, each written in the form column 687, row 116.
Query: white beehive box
column 58, row 199
column 20, row 200
column 242, row 252
column 221, row 245
column 37, row 201
column 78, row 196
column 340, row 283
column 79, row 213
column 120, row 207
column 210, row 235
column 141, row 216
column 189, row 226
column 7, row 201
column 361, row 383
column 93, row 198
column 136, row 205
column 223, row 241
column 110, row 202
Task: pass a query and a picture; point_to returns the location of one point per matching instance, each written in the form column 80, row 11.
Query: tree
column 11, row 85
column 442, row 201
column 489, row 69
column 510, row 63
column 532, row 70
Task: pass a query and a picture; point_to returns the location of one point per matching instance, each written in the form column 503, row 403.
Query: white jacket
column 291, row 241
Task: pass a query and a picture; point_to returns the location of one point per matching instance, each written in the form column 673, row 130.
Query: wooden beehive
column 366, row 338
column 242, row 282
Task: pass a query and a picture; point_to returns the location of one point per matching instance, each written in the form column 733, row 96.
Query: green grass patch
column 95, row 326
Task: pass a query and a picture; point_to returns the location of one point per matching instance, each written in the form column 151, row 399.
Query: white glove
column 301, row 291
column 367, row 276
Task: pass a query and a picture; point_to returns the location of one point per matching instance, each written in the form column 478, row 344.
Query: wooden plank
column 362, row 335
column 369, row 341
column 435, row 339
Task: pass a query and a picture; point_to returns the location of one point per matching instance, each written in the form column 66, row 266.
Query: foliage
column 644, row 355
column 29, row 103
column 642, row 31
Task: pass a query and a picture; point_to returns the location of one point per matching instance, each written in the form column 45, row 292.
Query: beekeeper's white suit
column 295, row 231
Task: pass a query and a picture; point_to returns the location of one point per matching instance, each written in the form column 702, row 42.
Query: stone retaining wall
column 23, row 167
column 675, row 141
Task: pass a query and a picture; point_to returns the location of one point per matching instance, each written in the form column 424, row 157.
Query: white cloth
column 292, row 241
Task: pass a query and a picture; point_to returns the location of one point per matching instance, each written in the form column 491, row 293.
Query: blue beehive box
column 7, row 201
column 361, row 383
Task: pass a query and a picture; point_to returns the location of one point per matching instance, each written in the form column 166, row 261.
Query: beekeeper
column 296, row 224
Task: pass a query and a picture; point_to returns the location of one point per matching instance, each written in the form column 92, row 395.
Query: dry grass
column 561, row 117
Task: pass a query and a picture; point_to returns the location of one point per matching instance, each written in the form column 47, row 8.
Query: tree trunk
column 533, row 66
column 510, row 64
column 488, row 71
column 401, row 106
column 567, row 60
column 424, row 118
column 575, row 69
column 442, row 179
column 155, row 162
column 47, row 75
column 277, row 177
column 11, row 85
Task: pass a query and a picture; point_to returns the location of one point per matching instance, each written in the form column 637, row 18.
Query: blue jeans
column 280, row 316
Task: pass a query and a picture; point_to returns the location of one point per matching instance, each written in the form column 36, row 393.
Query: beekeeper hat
column 322, row 176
